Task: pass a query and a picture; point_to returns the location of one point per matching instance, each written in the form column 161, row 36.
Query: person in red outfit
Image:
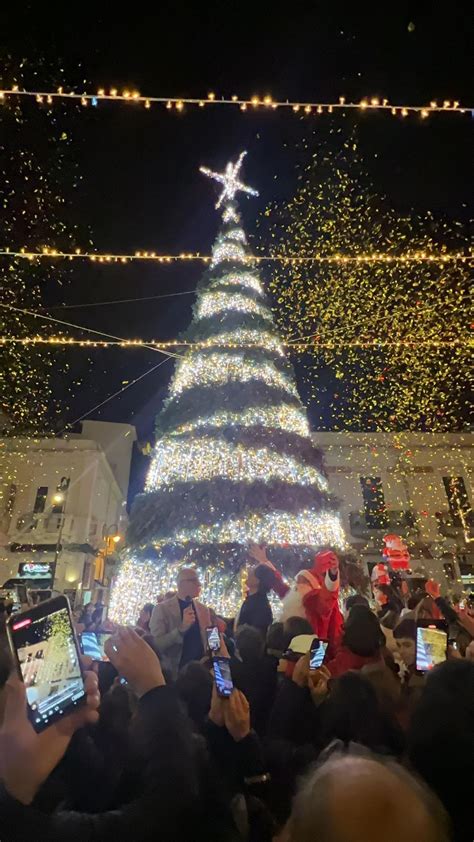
column 315, row 597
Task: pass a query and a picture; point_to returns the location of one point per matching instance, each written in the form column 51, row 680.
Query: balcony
column 451, row 526
column 401, row 522
column 41, row 532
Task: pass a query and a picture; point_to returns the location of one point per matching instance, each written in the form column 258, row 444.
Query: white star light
column 230, row 181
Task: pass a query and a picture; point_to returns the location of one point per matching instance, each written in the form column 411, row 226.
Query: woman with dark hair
column 352, row 713
column 256, row 610
column 362, row 642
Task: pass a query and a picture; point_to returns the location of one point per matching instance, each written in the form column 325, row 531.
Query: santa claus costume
column 315, row 597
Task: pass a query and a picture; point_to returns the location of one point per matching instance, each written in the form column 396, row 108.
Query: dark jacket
column 294, row 716
column 176, row 796
column 257, row 680
column 256, row 612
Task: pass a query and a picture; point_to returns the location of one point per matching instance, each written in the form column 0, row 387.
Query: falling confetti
column 413, row 385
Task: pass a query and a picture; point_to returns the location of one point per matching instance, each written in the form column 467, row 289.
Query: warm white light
column 218, row 369
column 230, row 181
column 206, row 459
column 212, row 302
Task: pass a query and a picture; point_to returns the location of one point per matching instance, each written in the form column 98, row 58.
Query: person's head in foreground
column 362, row 632
column 357, row 797
column 250, row 643
column 354, row 599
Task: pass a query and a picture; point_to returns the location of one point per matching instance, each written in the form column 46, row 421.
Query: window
column 374, row 502
column 40, row 501
column 457, row 498
column 449, row 571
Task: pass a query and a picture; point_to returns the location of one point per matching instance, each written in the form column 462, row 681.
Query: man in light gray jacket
column 179, row 624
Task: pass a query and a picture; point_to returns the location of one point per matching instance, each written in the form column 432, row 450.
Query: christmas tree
column 234, row 463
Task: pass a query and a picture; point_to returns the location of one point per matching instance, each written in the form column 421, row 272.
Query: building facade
column 63, row 504
column 416, row 485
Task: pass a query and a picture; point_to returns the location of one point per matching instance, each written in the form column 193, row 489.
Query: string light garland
column 283, row 417
column 217, row 369
column 306, row 108
column 178, row 459
column 212, row 303
column 264, row 341
column 49, row 253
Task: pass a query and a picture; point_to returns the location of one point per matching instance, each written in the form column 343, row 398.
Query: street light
column 59, row 499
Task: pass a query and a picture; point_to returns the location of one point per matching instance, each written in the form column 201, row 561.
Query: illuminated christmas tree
column 234, row 462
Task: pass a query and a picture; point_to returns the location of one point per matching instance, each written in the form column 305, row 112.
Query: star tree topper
column 230, row 181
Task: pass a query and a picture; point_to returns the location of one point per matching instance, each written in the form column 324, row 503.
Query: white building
column 63, row 501
column 416, row 485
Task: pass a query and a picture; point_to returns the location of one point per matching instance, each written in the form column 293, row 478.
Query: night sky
column 140, row 182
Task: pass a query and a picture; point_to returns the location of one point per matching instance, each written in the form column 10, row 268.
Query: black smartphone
column 222, row 676
column 46, row 653
column 431, row 644
column 213, row 638
column 317, row 653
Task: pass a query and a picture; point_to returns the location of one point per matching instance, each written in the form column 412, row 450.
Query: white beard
column 292, row 606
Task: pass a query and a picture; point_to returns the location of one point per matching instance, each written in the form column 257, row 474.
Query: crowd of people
column 363, row 747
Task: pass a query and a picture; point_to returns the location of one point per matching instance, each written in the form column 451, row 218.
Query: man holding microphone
column 179, row 624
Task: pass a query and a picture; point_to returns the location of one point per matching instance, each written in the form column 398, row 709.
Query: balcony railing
column 394, row 520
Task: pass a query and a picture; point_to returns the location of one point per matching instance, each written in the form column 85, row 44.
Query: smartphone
column 317, row 653
column 46, row 653
column 431, row 644
column 222, row 677
column 92, row 644
column 213, row 638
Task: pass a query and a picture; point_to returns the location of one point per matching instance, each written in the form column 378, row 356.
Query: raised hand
column 216, row 713
column 28, row 758
column 189, row 618
column 135, row 660
column 433, row 589
column 318, row 684
column 301, row 671
column 237, row 715
column 259, row 554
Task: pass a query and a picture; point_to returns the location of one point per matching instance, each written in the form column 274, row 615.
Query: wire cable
column 115, row 394
column 80, row 327
column 117, row 301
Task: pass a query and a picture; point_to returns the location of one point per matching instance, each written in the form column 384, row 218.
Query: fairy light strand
column 217, row 342
column 49, row 253
column 254, row 103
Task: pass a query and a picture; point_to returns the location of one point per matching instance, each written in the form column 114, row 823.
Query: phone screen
column 213, row 638
column 45, row 647
column 317, row 653
column 431, row 644
column 92, row 644
column 222, row 677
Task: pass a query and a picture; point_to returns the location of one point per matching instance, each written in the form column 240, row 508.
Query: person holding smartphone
column 179, row 624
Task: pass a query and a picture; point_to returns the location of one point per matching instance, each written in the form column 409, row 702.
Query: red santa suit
column 315, row 597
